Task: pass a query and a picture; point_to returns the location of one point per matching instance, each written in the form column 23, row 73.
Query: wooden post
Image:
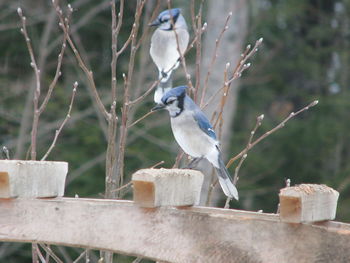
column 308, row 203
column 32, row 178
column 167, row 187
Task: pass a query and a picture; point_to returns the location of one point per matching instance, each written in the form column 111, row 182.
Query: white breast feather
column 164, row 51
column 192, row 139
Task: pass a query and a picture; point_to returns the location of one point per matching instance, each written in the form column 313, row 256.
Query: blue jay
column 195, row 135
column 165, row 48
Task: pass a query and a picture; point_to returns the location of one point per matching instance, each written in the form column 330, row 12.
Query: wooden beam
column 308, row 203
column 167, row 187
column 194, row 234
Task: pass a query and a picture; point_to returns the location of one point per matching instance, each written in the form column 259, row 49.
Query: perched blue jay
column 165, row 48
column 195, row 135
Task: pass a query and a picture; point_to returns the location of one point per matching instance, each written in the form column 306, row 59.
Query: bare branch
column 51, row 253
column 183, row 61
column 197, row 28
column 58, row 68
column 6, row 152
column 82, row 64
column 122, row 187
column 279, row 126
column 75, row 86
column 141, row 118
column 179, row 156
column 215, row 55
column 259, row 120
column 126, row 99
column 33, row 64
column 157, row 164
column 238, row 70
column 80, row 256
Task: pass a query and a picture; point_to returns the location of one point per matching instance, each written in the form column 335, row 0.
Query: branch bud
column 314, row 103
column 70, row 8
column 19, row 11
column 261, row 117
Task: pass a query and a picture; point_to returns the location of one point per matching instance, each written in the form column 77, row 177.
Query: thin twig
column 6, row 152
column 222, row 101
column 197, row 28
column 40, row 255
column 236, row 177
column 237, row 73
column 137, row 260
column 178, row 159
column 146, row 27
column 51, row 253
column 141, row 118
column 213, row 182
column 57, row 133
column 80, row 257
column 279, row 126
column 215, row 55
column 33, row 64
column 238, row 70
column 126, row 99
column 259, row 120
column 82, row 64
column 58, row 69
column 182, row 57
column 87, row 256
column 122, row 187
column 157, row 164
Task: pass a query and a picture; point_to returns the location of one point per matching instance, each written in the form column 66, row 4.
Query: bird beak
column 159, row 106
column 154, row 23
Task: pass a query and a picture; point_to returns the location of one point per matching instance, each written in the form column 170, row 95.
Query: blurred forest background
column 305, row 56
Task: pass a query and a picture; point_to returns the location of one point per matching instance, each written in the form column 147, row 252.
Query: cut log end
column 167, row 187
column 308, row 203
column 4, row 185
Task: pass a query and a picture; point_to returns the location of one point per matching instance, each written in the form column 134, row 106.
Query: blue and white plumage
column 195, row 135
column 165, row 47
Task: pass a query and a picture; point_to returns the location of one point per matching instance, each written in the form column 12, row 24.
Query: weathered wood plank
column 308, row 203
column 20, row 178
column 193, row 234
column 167, row 187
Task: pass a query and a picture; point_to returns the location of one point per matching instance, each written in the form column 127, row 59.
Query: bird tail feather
column 225, row 180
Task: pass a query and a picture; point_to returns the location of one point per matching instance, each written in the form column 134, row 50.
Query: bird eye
column 170, row 101
column 165, row 19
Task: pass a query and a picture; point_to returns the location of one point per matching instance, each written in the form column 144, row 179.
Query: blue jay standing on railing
column 165, row 47
column 195, row 135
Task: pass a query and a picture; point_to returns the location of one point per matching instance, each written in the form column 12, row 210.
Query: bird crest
column 178, row 92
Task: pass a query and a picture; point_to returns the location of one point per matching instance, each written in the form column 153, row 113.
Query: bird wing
column 204, row 124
